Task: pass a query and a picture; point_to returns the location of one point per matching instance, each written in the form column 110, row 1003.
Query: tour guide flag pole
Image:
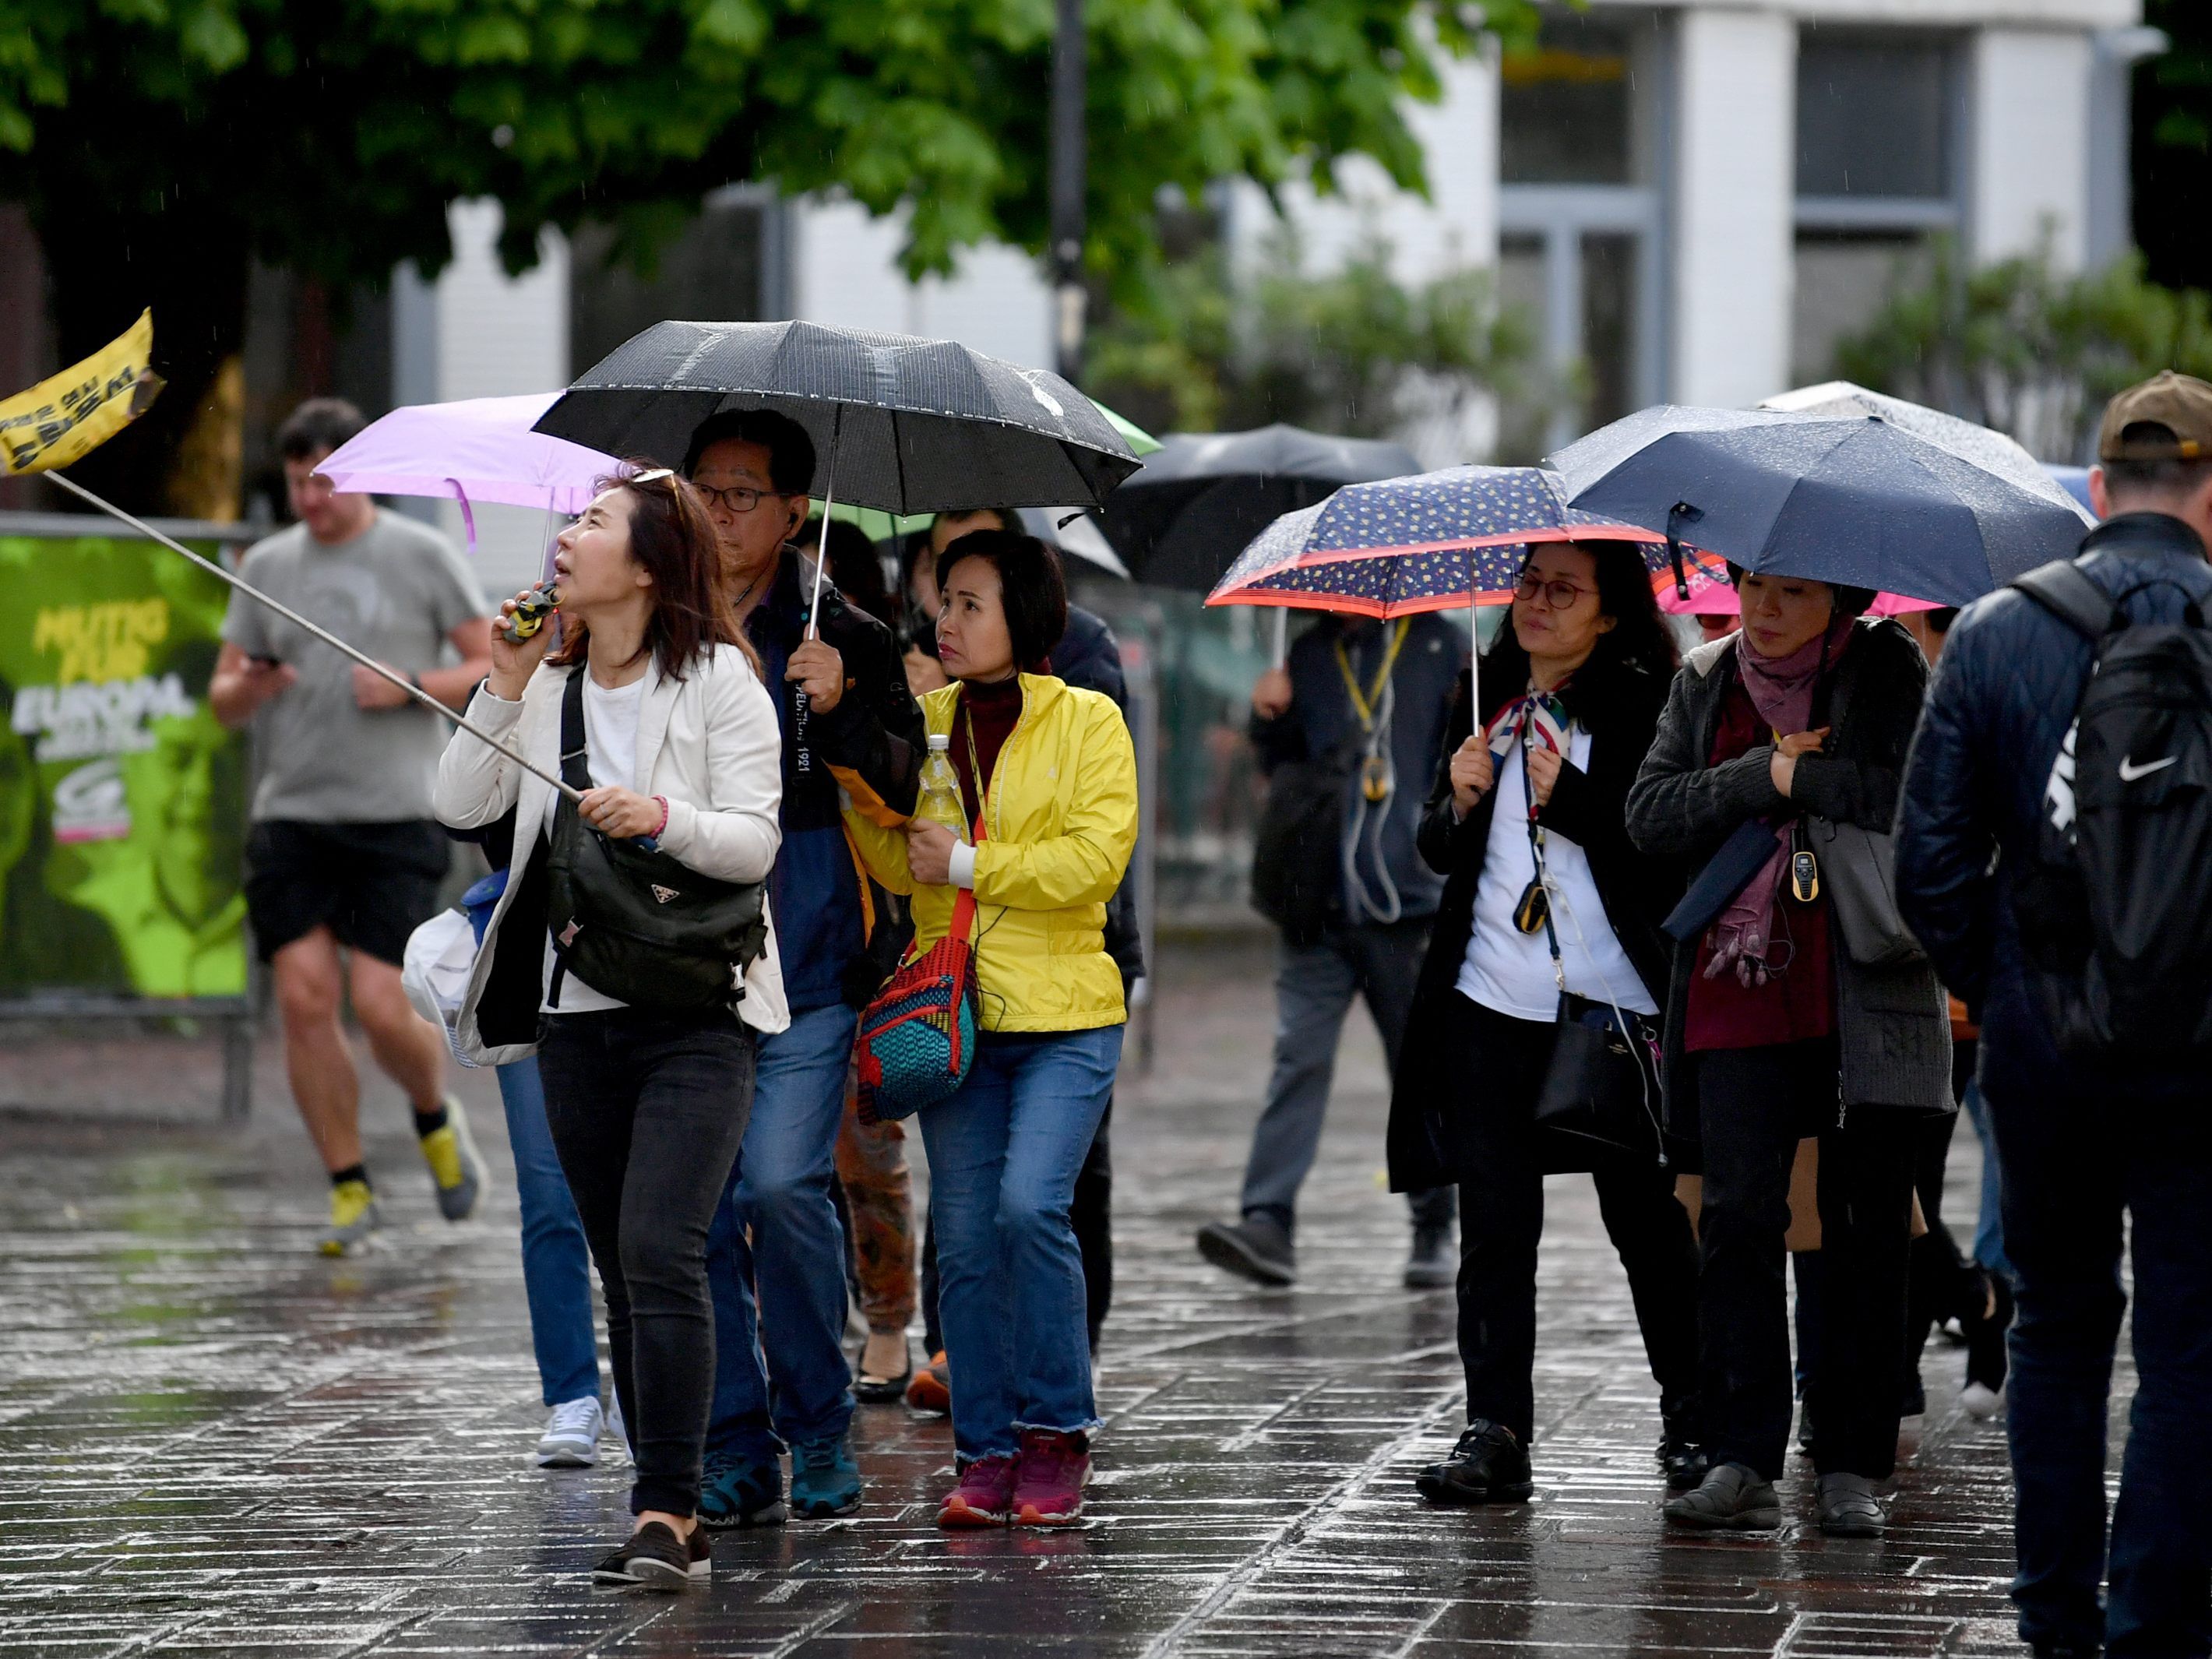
column 62, row 420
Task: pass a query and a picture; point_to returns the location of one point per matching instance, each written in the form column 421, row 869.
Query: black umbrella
column 900, row 423
column 1856, row 502
column 1182, row 521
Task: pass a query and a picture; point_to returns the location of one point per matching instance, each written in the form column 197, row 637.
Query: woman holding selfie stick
column 655, row 695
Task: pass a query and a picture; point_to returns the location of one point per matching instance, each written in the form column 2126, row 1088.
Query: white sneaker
column 1981, row 1400
column 571, row 1440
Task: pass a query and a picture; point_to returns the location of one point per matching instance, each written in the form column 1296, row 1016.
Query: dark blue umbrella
column 1856, row 502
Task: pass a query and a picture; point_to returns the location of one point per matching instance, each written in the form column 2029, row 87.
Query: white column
column 1735, row 179
column 845, row 270
column 2030, row 150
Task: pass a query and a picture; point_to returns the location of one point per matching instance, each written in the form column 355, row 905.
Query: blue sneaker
column 825, row 1481
column 741, row 1492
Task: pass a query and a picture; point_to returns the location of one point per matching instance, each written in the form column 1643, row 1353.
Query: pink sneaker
column 984, row 1496
column 1048, row 1490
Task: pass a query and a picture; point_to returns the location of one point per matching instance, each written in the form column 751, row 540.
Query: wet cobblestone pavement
column 216, row 1442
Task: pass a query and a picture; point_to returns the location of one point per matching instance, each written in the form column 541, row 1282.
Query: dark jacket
column 1618, row 705
column 2006, row 690
column 1321, row 717
column 1089, row 658
column 1892, row 1024
column 870, row 745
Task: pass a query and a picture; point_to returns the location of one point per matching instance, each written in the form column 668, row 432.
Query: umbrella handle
column 1282, row 636
column 1678, row 515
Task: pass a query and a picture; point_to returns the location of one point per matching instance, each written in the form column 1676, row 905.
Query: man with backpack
column 1349, row 732
column 2054, row 854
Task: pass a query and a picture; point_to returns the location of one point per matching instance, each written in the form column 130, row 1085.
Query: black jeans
column 648, row 1111
column 1501, row 1207
column 1754, row 1107
column 1093, row 1217
column 2079, row 1153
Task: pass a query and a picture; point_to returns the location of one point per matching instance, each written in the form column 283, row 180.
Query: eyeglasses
column 736, row 498
column 1559, row 595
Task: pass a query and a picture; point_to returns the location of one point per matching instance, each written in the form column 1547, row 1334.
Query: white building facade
column 1691, row 202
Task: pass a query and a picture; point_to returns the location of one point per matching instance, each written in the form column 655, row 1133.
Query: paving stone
column 218, row 1442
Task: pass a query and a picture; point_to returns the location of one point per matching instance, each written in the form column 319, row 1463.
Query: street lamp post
column 1068, row 161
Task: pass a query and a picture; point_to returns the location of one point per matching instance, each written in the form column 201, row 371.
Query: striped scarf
column 1543, row 713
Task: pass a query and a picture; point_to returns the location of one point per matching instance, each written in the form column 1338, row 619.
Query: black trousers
column 1501, row 1207
column 1093, row 1215
column 1754, row 1107
column 648, row 1111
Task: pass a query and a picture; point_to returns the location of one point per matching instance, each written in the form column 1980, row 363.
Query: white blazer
column 709, row 744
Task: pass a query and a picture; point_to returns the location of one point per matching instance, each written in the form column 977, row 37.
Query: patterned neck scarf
column 1543, row 714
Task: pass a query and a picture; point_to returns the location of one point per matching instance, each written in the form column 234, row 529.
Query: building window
column 725, row 267
column 1878, row 165
column 1873, row 118
column 1579, row 217
column 1567, row 108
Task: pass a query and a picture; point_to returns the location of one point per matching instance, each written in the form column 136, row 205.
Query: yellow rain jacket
column 1061, row 818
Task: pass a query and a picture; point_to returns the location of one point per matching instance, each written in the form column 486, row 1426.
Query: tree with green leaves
column 2172, row 146
column 2026, row 349
column 1352, row 350
column 162, row 145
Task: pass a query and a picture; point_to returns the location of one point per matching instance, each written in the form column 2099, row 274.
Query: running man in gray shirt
column 343, row 855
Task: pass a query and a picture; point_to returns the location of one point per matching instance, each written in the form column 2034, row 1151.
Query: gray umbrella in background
column 1200, row 501
column 904, row 424
column 1990, row 450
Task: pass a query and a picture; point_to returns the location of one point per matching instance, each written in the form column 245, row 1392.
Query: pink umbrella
column 479, row 448
column 1711, row 594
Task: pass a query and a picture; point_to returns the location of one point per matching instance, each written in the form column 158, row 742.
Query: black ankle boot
column 1488, row 1466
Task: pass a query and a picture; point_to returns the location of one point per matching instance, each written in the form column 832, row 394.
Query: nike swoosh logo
column 2130, row 771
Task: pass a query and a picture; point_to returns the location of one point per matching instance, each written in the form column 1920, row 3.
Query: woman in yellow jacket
column 1051, row 772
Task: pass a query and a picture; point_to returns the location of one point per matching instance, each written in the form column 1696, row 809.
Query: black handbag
column 635, row 923
column 1601, row 1088
column 1297, row 851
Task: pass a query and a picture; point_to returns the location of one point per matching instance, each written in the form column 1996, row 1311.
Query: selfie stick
column 322, row 634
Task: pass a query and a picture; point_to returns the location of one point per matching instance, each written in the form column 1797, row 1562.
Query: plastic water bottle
column 939, row 801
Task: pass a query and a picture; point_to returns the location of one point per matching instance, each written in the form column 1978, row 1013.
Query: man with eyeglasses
column 1350, row 734
column 775, row 1254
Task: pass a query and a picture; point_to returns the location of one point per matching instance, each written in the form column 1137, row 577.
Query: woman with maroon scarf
column 1775, row 1034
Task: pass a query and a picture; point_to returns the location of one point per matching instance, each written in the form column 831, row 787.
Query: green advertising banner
column 122, row 797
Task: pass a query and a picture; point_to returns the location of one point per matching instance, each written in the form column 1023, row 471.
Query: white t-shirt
column 610, row 757
column 1510, row 971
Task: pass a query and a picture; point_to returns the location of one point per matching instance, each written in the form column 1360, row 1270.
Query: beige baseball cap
column 2167, row 417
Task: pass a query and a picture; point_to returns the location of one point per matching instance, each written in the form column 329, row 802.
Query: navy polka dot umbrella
column 1428, row 543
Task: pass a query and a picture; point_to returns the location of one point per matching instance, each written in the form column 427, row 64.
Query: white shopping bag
column 440, row 955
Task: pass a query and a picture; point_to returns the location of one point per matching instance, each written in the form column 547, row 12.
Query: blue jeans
column 780, row 1375
column 2080, row 1154
column 1004, row 1153
column 556, row 1264
column 1989, row 1250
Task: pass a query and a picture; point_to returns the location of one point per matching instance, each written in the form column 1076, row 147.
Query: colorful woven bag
column 918, row 1038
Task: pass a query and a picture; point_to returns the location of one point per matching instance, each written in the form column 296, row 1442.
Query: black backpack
column 2113, row 908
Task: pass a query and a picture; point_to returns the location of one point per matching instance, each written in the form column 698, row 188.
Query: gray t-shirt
column 395, row 591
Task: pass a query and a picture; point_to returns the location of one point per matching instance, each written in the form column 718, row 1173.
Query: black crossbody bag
column 634, row 922
column 1601, row 1088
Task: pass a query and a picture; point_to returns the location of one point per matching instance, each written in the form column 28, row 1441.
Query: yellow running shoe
column 452, row 1155
column 354, row 1217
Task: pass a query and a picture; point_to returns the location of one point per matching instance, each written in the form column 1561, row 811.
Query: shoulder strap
column 575, row 767
column 2063, row 589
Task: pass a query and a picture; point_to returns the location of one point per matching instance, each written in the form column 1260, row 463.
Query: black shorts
column 371, row 884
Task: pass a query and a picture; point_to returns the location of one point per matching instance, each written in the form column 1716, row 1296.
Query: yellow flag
column 62, row 420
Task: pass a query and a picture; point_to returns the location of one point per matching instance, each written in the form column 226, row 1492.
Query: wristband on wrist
column 659, row 827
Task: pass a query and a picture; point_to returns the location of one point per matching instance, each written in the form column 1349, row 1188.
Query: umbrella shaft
column 322, row 634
